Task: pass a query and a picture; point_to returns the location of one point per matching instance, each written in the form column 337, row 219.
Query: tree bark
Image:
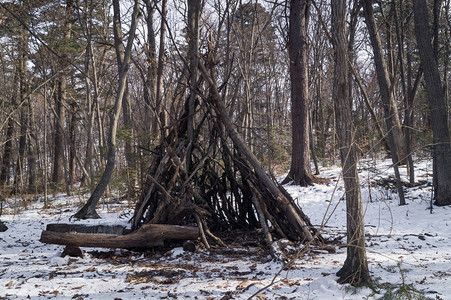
column 88, row 211
column 355, row 268
column 438, row 109
column 300, row 172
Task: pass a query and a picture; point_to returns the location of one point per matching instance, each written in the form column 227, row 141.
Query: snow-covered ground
column 408, row 247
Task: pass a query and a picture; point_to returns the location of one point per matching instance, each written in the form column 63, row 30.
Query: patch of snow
column 408, row 245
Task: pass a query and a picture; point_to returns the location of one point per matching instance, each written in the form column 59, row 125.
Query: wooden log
column 84, row 228
column 147, row 236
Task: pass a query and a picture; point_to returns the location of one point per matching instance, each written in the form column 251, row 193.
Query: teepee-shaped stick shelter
column 221, row 185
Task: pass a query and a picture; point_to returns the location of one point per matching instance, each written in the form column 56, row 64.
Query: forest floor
column 408, row 248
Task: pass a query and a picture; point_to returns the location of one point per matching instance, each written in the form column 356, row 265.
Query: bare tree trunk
column 126, row 106
column 88, row 211
column 407, row 136
column 390, row 108
column 435, row 47
column 447, row 53
column 385, row 83
column 91, row 83
column 45, row 171
column 24, row 112
column 439, row 122
column 93, row 109
column 60, row 102
column 247, row 50
column 19, row 170
column 312, row 147
column 32, row 152
column 435, row 26
column 7, row 154
column 151, row 124
column 90, row 108
column 300, row 171
column 58, row 140
column 72, row 142
column 194, row 7
column 355, row 268
column 160, row 112
column 100, row 125
column 8, row 148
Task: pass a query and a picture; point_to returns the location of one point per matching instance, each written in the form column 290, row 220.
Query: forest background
column 92, row 91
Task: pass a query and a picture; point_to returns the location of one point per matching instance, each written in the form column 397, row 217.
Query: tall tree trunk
column 390, row 108
column 160, row 112
column 355, row 269
column 126, row 106
column 300, row 171
column 150, row 90
column 45, row 164
column 8, row 148
column 92, row 102
column 6, row 158
column 32, row 152
column 60, row 102
column 88, row 211
column 91, row 93
column 72, row 142
column 90, row 107
column 385, row 83
column 24, row 112
column 439, row 122
column 435, row 26
column 58, row 138
column 407, row 136
column 194, row 7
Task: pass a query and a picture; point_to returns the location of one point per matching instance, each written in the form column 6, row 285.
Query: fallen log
column 83, row 228
column 148, row 235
